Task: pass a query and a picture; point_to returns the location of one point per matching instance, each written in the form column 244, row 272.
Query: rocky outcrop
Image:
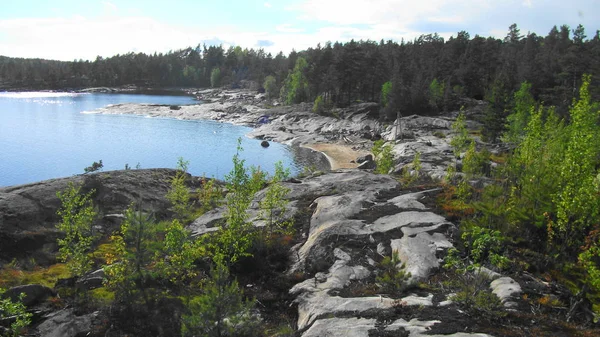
column 356, row 218
column 28, row 212
column 33, row 293
column 66, row 323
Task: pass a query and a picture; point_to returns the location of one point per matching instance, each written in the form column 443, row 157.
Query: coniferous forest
column 427, row 75
column 527, row 205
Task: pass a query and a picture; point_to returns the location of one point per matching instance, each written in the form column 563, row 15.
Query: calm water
column 45, row 135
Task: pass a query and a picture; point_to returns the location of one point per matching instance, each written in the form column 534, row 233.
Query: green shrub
column 77, row 215
column 179, row 194
column 384, row 158
column 221, row 310
column 319, row 106
column 17, row 309
column 393, row 276
column 94, row 167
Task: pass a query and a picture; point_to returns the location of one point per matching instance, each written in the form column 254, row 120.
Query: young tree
column 386, row 90
column 295, row 88
column 215, row 77
column 94, row 167
column 16, row 312
column 273, row 204
column 235, row 238
column 77, row 216
column 134, row 248
column 179, row 194
column 221, row 310
column 461, row 139
column 436, row 94
column 270, row 86
column 518, row 119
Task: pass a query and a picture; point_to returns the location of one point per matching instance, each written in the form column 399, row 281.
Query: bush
column 77, row 215
column 393, row 278
column 94, row 167
column 319, row 106
column 384, row 158
column 15, row 312
column 179, row 194
column 221, row 310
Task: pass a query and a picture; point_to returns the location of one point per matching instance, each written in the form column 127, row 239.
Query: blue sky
column 76, row 29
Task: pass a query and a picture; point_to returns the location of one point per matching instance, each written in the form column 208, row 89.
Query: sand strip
column 339, row 156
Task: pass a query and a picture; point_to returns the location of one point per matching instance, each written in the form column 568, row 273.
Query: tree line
column 426, row 75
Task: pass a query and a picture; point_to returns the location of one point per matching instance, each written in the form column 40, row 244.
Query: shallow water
column 50, row 135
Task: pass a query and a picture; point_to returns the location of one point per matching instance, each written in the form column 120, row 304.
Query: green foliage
column 471, row 286
column 16, row 310
column 485, row 245
column 221, row 310
column 179, row 194
column 319, row 106
column 410, row 175
column 461, row 139
column 175, row 260
column 12, row 275
column 77, row 216
column 210, row 195
column 94, row 167
column 393, row 277
column 270, row 86
column 386, row 90
column 134, row 248
column 295, row 88
column 517, row 121
column 235, row 238
column 215, row 78
column 495, row 111
column 272, row 206
column 577, row 201
column 474, row 163
column 436, row 94
column 384, row 158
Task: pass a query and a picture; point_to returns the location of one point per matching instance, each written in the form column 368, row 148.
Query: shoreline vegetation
column 477, row 214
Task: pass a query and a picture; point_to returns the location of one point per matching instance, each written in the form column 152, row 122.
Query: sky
column 84, row 29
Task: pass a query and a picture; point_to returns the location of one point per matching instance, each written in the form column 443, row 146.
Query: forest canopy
column 427, row 75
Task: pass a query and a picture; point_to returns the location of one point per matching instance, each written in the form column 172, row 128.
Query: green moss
column 102, row 296
column 11, row 276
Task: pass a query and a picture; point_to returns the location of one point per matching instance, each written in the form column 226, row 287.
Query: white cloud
column 109, row 5
column 268, row 5
column 288, row 28
column 318, row 21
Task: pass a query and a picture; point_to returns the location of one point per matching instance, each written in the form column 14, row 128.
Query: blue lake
column 46, row 135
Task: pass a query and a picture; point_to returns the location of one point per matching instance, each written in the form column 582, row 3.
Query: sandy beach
column 339, row 156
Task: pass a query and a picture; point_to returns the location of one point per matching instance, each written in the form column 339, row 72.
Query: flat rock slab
column 341, row 327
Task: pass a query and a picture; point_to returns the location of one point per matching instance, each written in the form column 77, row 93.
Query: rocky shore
column 350, row 220
column 295, row 126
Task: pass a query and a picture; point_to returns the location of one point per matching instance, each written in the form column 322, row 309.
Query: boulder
column 65, row 323
column 28, row 212
column 367, row 165
column 34, row 293
column 365, row 158
column 264, row 143
column 91, row 280
column 507, row 290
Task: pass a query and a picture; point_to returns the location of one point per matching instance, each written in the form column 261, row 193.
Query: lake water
column 46, row 135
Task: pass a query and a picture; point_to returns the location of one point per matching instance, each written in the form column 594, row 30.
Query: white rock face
column 507, row 290
column 341, row 327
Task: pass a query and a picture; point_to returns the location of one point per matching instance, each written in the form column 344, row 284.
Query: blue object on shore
column 264, row 119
